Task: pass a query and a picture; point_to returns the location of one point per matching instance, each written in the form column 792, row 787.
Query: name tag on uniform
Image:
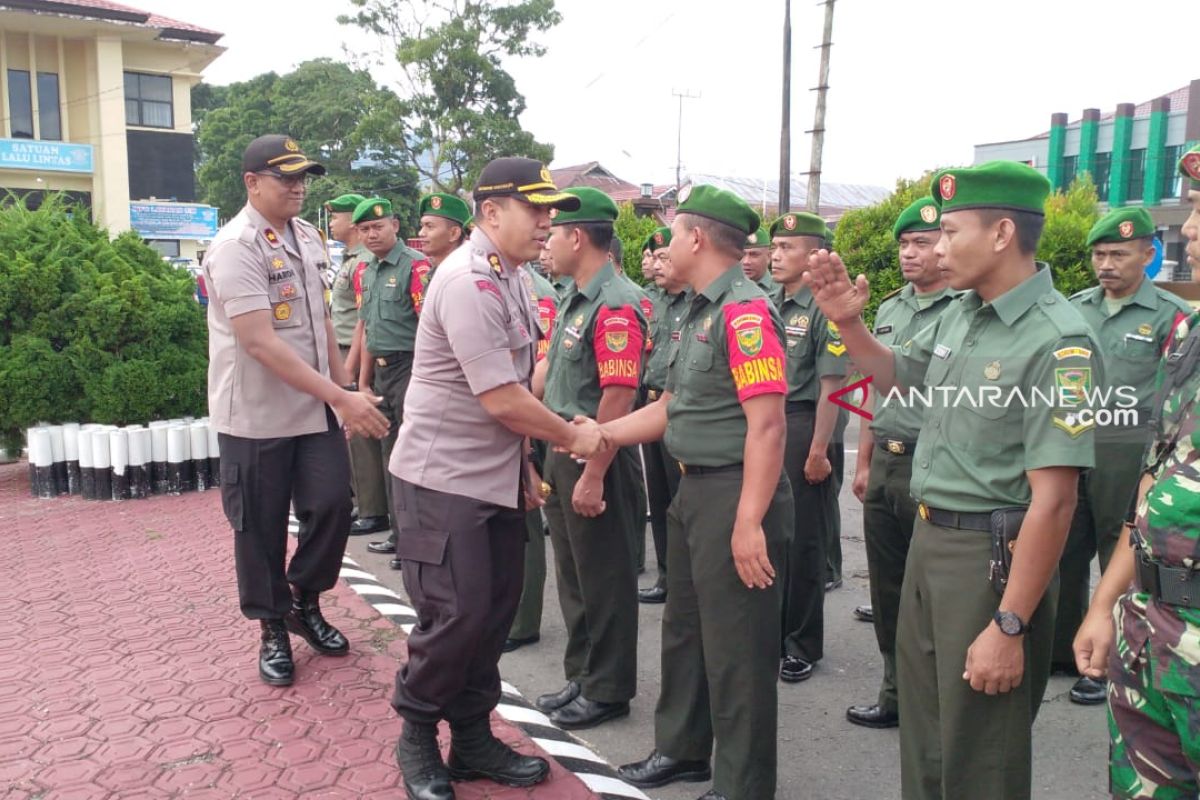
column 795, row 330
column 1138, row 338
column 942, row 352
column 573, row 331
column 883, row 329
column 675, row 336
column 702, row 337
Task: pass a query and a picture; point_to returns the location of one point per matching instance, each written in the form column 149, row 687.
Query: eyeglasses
column 289, row 180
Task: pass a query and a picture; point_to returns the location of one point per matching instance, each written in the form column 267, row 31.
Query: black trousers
column 804, row 573
column 662, row 481
column 463, row 565
column 260, row 478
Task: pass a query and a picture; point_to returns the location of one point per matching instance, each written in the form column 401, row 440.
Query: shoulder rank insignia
column 271, row 237
column 494, row 260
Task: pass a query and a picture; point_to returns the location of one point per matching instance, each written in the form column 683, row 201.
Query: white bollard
column 87, row 466
column 71, row 455
column 58, row 451
column 178, row 440
column 158, row 456
column 199, row 455
column 41, row 461
column 102, row 463
column 118, row 444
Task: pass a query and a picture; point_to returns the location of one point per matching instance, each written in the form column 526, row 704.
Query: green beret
column 1189, row 166
column 658, row 240
column 920, row 216
column 1121, row 225
column 372, row 208
column 760, row 238
column 800, row 223
column 997, row 184
column 594, row 206
column 344, row 202
column 719, row 205
column 445, row 205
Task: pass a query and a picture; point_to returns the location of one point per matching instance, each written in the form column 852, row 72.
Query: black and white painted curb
column 573, row 754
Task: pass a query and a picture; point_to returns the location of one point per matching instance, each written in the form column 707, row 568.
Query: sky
column 913, row 86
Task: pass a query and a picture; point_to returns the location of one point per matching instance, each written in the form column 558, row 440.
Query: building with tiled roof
column 98, row 102
column 1130, row 153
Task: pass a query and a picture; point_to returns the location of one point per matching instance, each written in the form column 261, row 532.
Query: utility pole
column 818, row 131
column 684, row 95
column 785, row 130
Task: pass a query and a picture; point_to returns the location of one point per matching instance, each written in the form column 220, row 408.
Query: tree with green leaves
column 339, row 116
column 92, row 329
column 863, row 238
column 633, row 231
column 461, row 106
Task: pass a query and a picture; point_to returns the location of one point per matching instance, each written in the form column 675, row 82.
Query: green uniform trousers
column 662, row 481
column 367, row 470
column 956, row 742
column 888, row 515
column 391, row 383
column 637, row 507
column 597, row 583
column 803, row 573
column 528, row 621
column 1104, row 494
column 720, row 640
column 833, row 534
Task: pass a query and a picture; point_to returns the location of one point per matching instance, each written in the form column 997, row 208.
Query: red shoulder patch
column 755, row 353
column 417, row 283
column 488, row 286
column 617, row 341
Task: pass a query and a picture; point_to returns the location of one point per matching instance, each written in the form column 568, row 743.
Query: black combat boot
column 425, row 776
column 275, row 654
column 305, row 620
column 476, row 753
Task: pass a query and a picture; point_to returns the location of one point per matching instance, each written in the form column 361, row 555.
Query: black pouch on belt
column 1005, row 526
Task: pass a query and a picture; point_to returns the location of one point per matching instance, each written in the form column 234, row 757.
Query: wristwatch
column 1010, row 624
column 352, row 386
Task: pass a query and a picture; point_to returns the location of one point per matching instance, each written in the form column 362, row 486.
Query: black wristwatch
column 1010, row 624
column 352, row 386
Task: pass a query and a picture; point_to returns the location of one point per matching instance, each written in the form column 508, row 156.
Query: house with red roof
column 97, row 98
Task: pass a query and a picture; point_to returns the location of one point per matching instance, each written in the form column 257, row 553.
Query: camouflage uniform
column 1154, row 671
column 1155, row 668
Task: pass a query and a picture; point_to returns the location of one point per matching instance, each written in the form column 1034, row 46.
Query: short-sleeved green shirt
column 664, row 332
column 343, row 297
column 598, row 341
column 730, row 349
column 814, row 345
column 393, row 291
column 899, row 319
column 1132, row 339
column 978, row 366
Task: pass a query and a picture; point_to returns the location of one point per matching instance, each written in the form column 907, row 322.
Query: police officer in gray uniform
column 462, row 483
column 276, row 391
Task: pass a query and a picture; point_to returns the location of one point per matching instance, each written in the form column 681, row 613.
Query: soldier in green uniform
column 662, row 471
column 527, row 624
column 1132, row 319
column 443, row 228
column 886, row 446
column 593, row 369
column 1153, row 706
column 757, row 261
column 722, row 413
column 1007, row 371
column 366, row 462
column 816, row 367
column 393, row 292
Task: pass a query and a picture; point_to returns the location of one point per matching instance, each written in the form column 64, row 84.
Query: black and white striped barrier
column 104, row 462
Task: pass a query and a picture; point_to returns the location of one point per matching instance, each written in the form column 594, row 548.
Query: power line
column 684, row 95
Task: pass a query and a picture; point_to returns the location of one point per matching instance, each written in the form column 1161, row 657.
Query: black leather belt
column 962, row 520
column 689, row 469
column 391, row 358
column 1175, row 586
column 801, row 405
column 897, row 447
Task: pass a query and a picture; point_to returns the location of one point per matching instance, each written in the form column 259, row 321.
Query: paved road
column 821, row 755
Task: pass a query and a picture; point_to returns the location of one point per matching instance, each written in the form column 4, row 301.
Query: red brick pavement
column 130, row 673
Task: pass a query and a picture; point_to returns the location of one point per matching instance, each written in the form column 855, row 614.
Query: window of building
column 1100, row 174
column 1172, row 180
column 165, row 247
column 49, row 113
column 1070, row 164
column 1135, row 175
column 148, row 100
column 20, row 104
